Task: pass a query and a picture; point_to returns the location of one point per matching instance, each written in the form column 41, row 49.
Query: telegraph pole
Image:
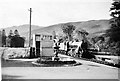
column 30, row 28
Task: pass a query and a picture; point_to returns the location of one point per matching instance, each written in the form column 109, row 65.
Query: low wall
column 7, row 53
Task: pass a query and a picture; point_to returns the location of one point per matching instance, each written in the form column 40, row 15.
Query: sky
column 49, row 12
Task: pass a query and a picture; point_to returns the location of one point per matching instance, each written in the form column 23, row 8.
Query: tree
column 10, row 33
column 54, row 35
column 115, row 9
column 8, row 39
column 114, row 32
column 0, row 38
column 17, row 42
column 81, row 33
column 68, row 30
column 16, row 33
column 3, row 38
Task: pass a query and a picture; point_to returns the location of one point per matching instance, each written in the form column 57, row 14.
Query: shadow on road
column 93, row 65
column 10, row 77
column 12, row 63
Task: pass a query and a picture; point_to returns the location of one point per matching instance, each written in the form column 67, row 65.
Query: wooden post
column 30, row 29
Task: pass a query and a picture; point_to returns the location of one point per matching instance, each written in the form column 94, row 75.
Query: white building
column 43, row 44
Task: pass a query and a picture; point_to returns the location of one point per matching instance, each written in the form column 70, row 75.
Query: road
column 88, row 70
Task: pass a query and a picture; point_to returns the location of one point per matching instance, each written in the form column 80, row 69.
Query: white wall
column 7, row 53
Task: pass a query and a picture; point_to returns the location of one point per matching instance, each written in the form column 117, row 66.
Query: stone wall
column 7, row 53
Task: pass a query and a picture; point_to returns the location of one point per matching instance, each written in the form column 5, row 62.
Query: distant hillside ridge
column 93, row 27
column 21, row 28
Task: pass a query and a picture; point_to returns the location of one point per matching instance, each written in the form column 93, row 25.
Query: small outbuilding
column 42, row 45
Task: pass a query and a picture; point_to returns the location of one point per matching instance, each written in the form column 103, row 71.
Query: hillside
column 22, row 28
column 93, row 27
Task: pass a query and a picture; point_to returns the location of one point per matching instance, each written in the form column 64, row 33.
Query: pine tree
column 114, row 31
column 3, row 38
column 16, row 33
column 10, row 34
column 0, row 38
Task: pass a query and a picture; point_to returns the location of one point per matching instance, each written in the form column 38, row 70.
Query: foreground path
column 88, row 70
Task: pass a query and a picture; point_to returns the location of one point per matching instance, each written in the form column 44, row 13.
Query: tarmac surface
column 88, row 70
